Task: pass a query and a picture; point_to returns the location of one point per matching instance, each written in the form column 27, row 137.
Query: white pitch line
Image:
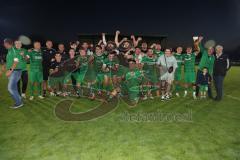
column 235, row 98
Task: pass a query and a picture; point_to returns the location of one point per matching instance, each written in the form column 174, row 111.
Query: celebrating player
column 178, row 72
column 36, row 73
column 168, row 65
column 48, row 57
column 24, row 77
column 189, row 71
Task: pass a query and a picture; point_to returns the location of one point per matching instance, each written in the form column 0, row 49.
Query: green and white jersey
column 132, row 78
column 179, row 58
column 14, row 55
column 35, row 61
column 98, row 63
column 150, row 68
column 189, row 62
column 149, row 64
column 206, row 60
column 157, row 52
column 138, row 58
column 83, row 61
column 110, row 64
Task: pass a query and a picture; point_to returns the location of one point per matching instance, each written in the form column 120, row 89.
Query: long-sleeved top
column 221, row 65
column 206, row 60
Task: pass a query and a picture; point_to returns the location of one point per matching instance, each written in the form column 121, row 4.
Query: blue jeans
column 218, row 82
column 13, row 87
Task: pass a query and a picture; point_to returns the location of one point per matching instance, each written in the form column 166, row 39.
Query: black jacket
column 221, row 65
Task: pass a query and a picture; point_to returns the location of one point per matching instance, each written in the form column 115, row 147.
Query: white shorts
column 169, row 77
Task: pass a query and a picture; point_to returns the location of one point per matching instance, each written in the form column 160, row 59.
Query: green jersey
column 111, row 64
column 150, row 68
column 132, row 84
column 83, row 61
column 206, row 60
column 158, row 53
column 132, row 78
column 179, row 58
column 35, row 60
column 98, row 63
column 14, row 55
column 189, row 62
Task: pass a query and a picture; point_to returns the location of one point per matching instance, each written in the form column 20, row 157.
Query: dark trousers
column 24, row 80
column 209, row 86
column 218, row 83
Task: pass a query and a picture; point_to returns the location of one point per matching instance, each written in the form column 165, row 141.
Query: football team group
column 129, row 68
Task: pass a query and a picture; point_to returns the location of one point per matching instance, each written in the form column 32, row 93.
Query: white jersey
column 166, row 62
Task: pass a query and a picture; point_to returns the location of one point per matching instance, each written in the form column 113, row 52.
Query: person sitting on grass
column 204, row 81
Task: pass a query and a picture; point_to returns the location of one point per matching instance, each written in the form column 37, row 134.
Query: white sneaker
column 145, row 98
column 177, row 94
column 31, row 98
column 52, row 94
column 151, row 97
column 162, row 98
column 24, row 95
column 167, row 97
column 40, row 97
column 17, row 106
column 194, row 95
column 185, row 94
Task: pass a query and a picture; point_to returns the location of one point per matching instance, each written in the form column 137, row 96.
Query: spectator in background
column 220, row 68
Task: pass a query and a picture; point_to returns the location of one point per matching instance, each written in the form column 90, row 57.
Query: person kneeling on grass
column 56, row 75
column 36, row 72
column 132, row 80
column 204, row 81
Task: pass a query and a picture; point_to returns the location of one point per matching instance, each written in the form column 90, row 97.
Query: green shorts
column 189, row 77
column 133, row 93
column 68, row 77
column 36, row 76
column 178, row 76
column 81, row 76
column 53, row 81
column 203, row 88
column 100, row 77
column 152, row 78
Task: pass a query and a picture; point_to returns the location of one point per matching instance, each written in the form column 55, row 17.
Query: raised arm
column 138, row 40
column 202, row 49
column 153, row 46
column 135, row 42
column 100, row 42
column 104, row 39
column 124, row 39
column 117, row 38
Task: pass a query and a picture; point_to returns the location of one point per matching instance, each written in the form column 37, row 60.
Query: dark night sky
column 179, row 19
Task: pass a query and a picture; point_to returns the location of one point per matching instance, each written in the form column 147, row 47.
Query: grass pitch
column 188, row 129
